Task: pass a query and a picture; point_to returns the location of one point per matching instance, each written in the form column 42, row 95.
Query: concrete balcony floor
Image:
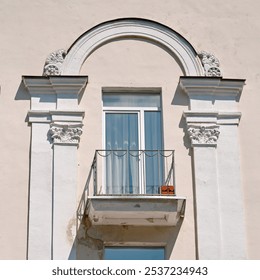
column 137, row 210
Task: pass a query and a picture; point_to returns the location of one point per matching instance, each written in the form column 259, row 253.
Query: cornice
column 211, row 86
column 54, row 84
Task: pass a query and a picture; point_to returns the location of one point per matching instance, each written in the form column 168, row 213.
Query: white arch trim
column 146, row 30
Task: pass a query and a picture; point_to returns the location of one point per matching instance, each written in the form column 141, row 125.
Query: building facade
column 130, row 126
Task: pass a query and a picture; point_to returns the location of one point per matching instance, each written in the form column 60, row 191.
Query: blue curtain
column 153, row 159
column 122, row 171
column 122, row 161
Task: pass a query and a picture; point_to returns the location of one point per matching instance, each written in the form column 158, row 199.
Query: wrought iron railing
column 128, row 172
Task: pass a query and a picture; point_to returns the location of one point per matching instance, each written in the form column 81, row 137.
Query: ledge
column 52, row 84
column 55, row 116
column 214, row 117
column 212, row 87
column 135, row 210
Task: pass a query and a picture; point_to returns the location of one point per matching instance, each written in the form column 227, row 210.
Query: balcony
column 132, row 187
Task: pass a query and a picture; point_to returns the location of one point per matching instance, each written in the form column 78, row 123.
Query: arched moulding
column 149, row 31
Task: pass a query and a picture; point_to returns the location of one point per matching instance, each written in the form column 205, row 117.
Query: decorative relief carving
column 53, row 63
column 64, row 133
column 210, row 64
column 203, row 135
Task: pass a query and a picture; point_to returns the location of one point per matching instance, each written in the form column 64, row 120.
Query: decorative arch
column 147, row 30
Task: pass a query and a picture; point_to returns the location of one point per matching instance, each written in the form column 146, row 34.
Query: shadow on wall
column 22, row 93
column 181, row 99
column 186, row 139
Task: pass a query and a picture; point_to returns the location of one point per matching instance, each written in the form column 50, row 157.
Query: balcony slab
column 135, row 210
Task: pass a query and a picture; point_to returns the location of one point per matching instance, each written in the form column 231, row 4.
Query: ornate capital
column 210, row 64
column 53, row 63
column 65, row 133
column 203, row 135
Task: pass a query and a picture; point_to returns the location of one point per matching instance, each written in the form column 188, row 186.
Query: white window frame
column 141, row 135
column 139, row 110
column 141, row 127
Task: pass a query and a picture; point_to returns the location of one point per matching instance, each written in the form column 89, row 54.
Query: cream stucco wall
column 32, row 29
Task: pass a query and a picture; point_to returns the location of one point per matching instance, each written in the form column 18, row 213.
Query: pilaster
column 204, row 139
column 56, row 125
column 65, row 137
column 212, row 125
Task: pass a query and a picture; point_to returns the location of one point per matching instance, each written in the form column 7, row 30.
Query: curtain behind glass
column 122, row 171
column 153, row 159
column 131, row 100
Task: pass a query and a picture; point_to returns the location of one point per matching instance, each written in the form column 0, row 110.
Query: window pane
column 131, row 100
column 134, row 253
column 122, row 171
column 153, row 158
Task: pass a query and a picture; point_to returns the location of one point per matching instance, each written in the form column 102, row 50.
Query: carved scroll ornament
column 203, row 135
column 210, row 64
column 63, row 133
column 53, row 63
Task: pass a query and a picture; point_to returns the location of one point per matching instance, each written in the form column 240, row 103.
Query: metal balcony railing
column 128, row 172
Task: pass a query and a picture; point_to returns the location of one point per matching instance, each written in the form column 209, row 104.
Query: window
column 134, row 253
column 133, row 137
